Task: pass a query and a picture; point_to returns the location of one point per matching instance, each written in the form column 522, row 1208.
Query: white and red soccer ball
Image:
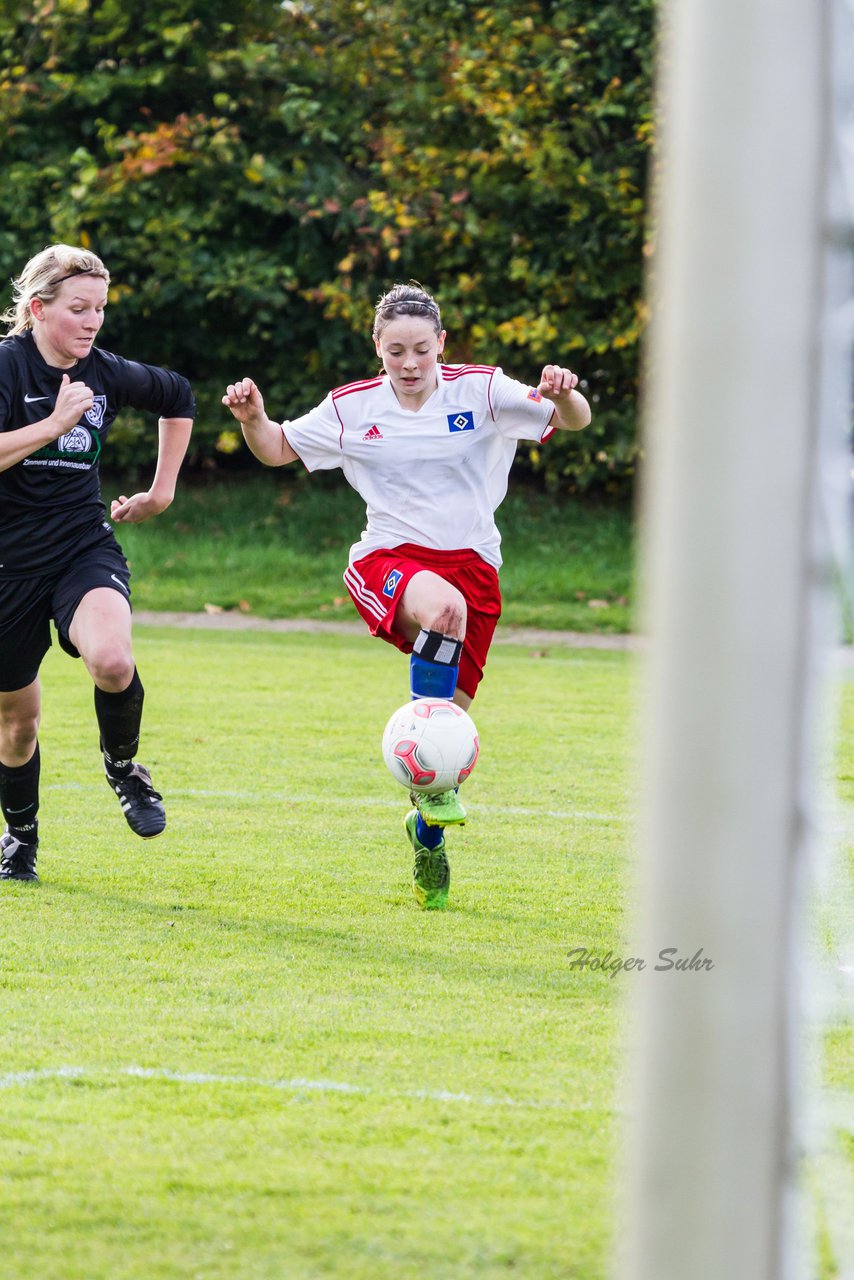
column 430, row 745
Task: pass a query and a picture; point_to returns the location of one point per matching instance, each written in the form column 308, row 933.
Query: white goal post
column 745, row 428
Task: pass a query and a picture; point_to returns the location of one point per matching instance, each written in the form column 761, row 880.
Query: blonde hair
column 42, row 277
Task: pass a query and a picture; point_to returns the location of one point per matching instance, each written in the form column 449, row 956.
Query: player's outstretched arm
column 174, row 436
column 265, row 438
column 572, row 412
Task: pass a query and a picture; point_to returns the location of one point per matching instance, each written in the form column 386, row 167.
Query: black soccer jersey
column 50, row 503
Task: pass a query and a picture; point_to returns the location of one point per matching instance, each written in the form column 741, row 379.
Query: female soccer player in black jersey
column 59, row 559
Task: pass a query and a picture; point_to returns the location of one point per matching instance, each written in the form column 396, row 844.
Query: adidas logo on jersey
column 373, row 433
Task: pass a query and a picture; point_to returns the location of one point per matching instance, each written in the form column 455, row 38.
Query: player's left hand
column 557, row 383
column 133, row 510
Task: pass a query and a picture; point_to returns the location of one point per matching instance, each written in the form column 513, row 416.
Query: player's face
column 66, row 328
column 409, row 348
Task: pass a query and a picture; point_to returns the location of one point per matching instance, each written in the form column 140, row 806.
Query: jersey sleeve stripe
column 341, row 420
column 365, row 384
column 349, row 387
column 450, row 373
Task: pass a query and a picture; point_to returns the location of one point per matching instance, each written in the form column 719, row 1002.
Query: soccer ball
column 430, row 745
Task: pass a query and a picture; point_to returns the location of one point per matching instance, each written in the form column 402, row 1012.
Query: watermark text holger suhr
column 667, row 959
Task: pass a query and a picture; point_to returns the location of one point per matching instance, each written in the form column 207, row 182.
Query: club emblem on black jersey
column 95, row 415
column 78, row 449
column 77, row 440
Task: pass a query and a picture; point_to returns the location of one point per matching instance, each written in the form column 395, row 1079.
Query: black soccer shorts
column 27, row 607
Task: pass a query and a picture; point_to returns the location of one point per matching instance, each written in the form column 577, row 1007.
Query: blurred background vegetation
column 256, row 173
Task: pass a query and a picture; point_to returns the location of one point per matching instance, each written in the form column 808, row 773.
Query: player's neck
column 53, row 358
column 415, row 400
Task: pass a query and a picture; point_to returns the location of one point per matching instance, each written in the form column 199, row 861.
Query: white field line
column 297, row 1085
column 368, row 802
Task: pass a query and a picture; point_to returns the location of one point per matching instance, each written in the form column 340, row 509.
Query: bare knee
column 431, row 602
column 447, row 615
column 18, row 734
column 111, row 667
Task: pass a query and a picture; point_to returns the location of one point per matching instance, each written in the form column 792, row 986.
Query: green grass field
column 241, row 1050
column 275, row 544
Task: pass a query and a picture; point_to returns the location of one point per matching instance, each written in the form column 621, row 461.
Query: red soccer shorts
column 377, row 582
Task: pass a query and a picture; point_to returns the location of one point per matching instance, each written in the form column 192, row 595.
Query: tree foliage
column 256, row 173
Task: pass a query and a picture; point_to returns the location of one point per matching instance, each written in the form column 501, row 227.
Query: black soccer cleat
column 141, row 804
column 17, row 858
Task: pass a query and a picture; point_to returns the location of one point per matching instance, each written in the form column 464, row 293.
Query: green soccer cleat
column 442, row 810
column 431, row 875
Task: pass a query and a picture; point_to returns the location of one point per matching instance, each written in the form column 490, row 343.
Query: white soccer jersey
column 434, row 476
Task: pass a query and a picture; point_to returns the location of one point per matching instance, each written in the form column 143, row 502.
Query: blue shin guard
column 431, row 679
column 434, row 665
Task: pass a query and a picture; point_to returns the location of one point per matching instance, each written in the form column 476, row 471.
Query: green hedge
column 256, row 174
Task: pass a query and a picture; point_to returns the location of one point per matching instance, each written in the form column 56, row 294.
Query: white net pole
column 734, row 435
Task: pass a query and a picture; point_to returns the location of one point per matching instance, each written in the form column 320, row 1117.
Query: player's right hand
column 244, row 400
column 72, row 401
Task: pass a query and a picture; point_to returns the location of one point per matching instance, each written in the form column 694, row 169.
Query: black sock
column 119, row 719
column 19, row 797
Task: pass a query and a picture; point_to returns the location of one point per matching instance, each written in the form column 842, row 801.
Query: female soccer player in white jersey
column 59, row 559
column 429, row 447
